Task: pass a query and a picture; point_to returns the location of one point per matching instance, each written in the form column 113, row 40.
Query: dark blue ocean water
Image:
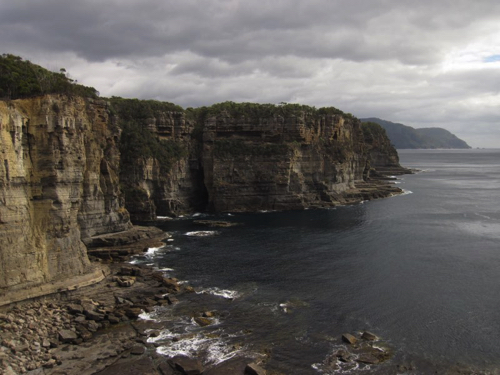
column 421, row 270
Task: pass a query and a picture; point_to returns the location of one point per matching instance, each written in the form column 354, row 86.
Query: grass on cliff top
column 22, row 79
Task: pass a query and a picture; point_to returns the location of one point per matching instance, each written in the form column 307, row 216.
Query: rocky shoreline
column 95, row 329
column 98, row 329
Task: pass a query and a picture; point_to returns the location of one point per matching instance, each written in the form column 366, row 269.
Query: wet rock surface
column 95, row 330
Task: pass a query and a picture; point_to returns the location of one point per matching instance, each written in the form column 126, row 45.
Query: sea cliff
column 73, row 168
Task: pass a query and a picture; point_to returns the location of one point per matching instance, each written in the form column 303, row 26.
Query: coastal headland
column 78, row 170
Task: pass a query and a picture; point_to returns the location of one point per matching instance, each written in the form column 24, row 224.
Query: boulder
column 172, row 300
column 233, row 366
column 368, row 359
column 186, row 365
column 137, row 350
column 171, row 284
column 94, row 315
column 202, row 322
column 125, row 281
column 74, row 309
column 349, row 339
column 369, row 336
column 67, row 336
column 133, row 312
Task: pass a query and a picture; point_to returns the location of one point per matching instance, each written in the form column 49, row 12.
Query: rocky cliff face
column 58, row 187
column 253, row 157
column 65, row 161
column 161, row 173
column 383, row 157
column 281, row 162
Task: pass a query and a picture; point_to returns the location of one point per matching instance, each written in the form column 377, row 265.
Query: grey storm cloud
column 420, row 63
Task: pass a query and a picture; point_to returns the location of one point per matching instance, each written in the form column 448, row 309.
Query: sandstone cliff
column 281, row 162
column 160, row 165
column 247, row 157
column 59, row 187
column 383, row 157
column 62, row 173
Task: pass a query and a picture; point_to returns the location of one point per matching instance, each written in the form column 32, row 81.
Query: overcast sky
column 421, row 63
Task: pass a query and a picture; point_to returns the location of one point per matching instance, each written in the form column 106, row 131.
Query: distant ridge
column 403, row 136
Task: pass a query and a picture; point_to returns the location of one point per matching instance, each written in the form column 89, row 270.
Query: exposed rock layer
column 58, row 186
column 62, row 174
column 258, row 162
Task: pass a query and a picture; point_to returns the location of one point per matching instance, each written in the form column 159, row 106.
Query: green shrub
column 137, row 141
column 21, row 79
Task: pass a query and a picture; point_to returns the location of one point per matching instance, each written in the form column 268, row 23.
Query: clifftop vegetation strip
column 22, row 79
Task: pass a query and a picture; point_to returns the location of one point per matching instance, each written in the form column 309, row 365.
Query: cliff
column 280, row 162
column 67, row 160
column 247, row 157
column 403, row 136
column 382, row 155
column 160, row 165
column 73, row 167
column 59, row 187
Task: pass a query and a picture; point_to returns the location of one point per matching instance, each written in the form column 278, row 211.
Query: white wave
column 170, row 240
column 164, row 218
column 164, row 335
column 406, row 192
column 147, row 316
column 215, row 349
column 166, row 269
column 229, row 214
column 202, row 233
column 196, row 214
column 134, row 261
column 224, row 293
column 152, row 251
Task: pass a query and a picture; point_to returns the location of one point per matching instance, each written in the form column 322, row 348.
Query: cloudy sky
column 422, row 63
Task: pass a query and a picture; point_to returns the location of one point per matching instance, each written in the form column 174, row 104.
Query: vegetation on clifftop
column 22, row 79
column 257, row 111
column 137, row 141
column 372, row 131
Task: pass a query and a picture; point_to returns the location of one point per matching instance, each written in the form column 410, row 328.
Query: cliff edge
column 59, row 187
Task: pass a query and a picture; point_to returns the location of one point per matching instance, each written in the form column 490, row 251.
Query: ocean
column 420, row 270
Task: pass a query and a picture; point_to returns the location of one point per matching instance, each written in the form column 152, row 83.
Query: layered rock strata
column 58, row 186
column 62, row 173
column 281, row 162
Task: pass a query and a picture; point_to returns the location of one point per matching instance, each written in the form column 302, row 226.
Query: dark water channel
column 421, row 270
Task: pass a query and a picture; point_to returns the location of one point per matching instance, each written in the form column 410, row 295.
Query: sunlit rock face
column 58, row 187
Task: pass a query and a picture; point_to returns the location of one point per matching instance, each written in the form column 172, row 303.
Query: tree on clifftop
column 21, row 79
